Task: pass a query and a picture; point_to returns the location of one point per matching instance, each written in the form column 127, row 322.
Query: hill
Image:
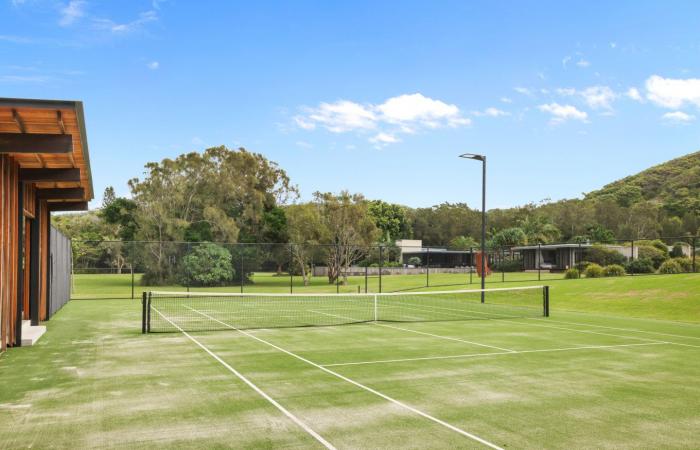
column 674, row 185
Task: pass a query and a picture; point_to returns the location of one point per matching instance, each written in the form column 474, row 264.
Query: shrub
column 414, row 261
column 642, row 265
column 613, row 270
column 572, row 274
column 685, row 263
column 677, row 250
column 511, row 265
column 654, row 254
column 670, row 266
column 604, row 256
column 656, row 243
column 593, row 271
column 207, row 265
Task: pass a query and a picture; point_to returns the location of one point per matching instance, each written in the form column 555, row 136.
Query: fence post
column 545, row 299
column 366, row 275
column 539, row 258
column 427, row 268
column 471, row 262
column 240, row 264
column 132, row 269
column 337, row 265
column 144, row 300
column 381, row 265
column 503, row 266
column 580, row 259
column 291, row 263
column 632, row 257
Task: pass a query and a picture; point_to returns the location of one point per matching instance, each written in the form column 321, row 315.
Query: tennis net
column 209, row 311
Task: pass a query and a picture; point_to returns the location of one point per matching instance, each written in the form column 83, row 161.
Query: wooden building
column 44, row 167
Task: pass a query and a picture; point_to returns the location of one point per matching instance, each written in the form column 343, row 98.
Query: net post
column 545, row 300
column 376, row 315
column 143, row 313
column 148, row 313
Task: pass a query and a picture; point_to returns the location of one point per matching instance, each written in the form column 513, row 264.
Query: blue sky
column 373, row 97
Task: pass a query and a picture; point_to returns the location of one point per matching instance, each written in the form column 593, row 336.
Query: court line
column 361, row 386
column 240, row 376
column 606, row 334
column 474, row 355
column 421, row 332
column 623, row 329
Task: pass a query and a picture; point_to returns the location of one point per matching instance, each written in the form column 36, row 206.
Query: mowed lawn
column 670, row 297
column 595, row 378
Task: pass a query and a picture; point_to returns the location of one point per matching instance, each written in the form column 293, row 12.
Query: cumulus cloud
column 678, row 117
column 506, row 100
column 491, row 112
column 562, row 113
column 673, row 93
column 523, row 91
column 403, row 114
column 583, row 63
column 596, row 97
column 71, row 12
column 634, row 94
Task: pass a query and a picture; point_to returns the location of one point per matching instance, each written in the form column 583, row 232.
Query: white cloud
column 599, row 97
column 565, row 61
column 583, row 63
column 342, row 116
column 70, row 13
column 304, row 145
column 562, row 113
column 153, row 65
column 673, row 93
column 613, row 45
column 403, row 114
column 633, row 93
column 491, row 112
column 506, row 100
column 124, row 28
column 678, row 117
column 523, row 91
column 384, row 138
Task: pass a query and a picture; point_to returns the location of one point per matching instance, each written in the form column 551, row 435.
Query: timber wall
column 9, row 249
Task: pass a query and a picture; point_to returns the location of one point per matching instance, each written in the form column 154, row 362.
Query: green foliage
column 414, row 261
column 600, row 234
column 539, row 229
column 509, row 237
column 670, row 267
column 685, row 263
column 593, row 271
column 654, row 254
column 439, row 224
column 613, row 270
column 641, row 265
column 508, row 265
column 391, row 219
column 604, row 256
column 677, row 250
column 463, row 243
column 207, row 265
column 572, row 274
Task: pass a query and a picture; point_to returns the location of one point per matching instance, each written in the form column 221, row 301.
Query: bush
column 677, row 250
column 414, row 261
column 642, row 265
column 654, row 254
column 572, row 274
column 511, row 265
column 613, row 270
column 604, row 256
column 656, row 243
column 685, row 263
column 207, row 265
column 671, row 266
column 593, row 271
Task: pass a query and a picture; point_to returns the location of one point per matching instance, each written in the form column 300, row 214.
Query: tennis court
column 436, row 370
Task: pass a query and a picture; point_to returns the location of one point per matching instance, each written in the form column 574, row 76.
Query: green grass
column 575, row 380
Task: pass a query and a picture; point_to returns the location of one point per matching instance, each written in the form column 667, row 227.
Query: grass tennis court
column 592, row 378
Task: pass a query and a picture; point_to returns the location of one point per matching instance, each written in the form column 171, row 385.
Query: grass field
column 597, row 378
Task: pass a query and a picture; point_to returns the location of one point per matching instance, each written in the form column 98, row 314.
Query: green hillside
column 675, row 185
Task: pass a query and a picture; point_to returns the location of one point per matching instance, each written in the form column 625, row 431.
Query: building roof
column 48, row 140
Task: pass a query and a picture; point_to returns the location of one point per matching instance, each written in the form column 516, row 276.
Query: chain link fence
column 118, row 269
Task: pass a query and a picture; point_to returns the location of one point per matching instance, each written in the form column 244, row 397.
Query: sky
column 373, row 97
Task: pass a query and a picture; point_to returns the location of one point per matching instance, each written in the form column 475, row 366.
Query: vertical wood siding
column 9, row 221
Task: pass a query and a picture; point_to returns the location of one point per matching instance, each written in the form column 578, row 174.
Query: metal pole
column 483, row 228
column 381, row 264
column 291, row 263
column 132, row 269
column 471, row 264
column 427, row 268
column 366, row 276
column 240, row 265
column 337, row 266
column 539, row 258
column 503, row 267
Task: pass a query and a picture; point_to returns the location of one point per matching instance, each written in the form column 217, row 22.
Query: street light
column 481, row 158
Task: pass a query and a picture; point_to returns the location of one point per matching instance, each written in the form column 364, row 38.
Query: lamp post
column 481, row 158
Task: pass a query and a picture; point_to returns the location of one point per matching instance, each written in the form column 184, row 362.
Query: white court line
column 362, row 386
column 421, row 332
column 605, row 334
column 240, row 376
column 624, row 329
column 474, row 355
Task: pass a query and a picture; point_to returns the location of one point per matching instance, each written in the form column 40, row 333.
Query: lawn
column 589, row 376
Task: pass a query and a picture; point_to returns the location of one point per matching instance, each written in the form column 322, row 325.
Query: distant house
column 561, row 256
column 434, row 256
